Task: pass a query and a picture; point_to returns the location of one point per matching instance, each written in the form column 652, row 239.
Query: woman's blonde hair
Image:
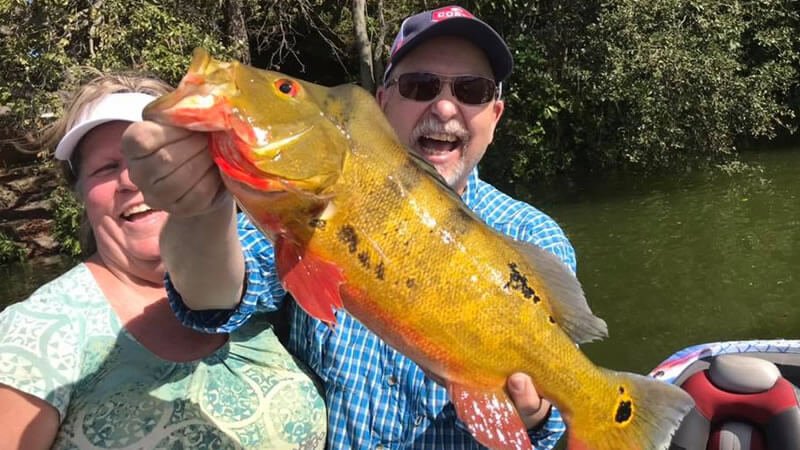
column 85, row 94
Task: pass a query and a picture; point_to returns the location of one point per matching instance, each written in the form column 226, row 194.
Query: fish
column 361, row 223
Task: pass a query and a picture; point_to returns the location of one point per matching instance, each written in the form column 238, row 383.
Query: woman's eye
column 105, row 169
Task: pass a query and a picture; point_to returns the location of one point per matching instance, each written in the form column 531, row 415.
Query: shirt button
column 418, row 420
column 379, row 447
column 391, row 380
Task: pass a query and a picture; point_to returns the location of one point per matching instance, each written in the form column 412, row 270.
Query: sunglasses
column 423, row 87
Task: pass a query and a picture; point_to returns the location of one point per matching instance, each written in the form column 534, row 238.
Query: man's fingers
column 532, row 408
column 190, row 186
column 143, row 138
column 207, row 194
column 172, row 167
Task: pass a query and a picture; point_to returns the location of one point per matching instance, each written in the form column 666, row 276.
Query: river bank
column 26, row 211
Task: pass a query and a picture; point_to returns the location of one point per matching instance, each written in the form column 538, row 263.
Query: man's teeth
column 135, row 210
column 442, row 137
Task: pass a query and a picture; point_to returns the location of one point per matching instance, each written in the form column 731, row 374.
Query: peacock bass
column 360, row 223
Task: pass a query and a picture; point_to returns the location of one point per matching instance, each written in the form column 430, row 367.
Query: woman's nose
column 125, row 183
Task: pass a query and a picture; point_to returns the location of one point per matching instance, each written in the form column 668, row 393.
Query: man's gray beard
column 456, row 171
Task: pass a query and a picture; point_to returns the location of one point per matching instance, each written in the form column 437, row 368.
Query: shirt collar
column 471, row 192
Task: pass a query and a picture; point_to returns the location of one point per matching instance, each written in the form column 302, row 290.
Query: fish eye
column 287, row 87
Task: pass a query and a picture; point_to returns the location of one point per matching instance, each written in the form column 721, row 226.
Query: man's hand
column 199, row 243
column 173, row 169
column 532, row 408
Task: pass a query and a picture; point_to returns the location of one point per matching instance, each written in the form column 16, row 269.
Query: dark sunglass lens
column 473, row 90
column 418, row 86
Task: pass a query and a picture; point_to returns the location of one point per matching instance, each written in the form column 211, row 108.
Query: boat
column 747, row 395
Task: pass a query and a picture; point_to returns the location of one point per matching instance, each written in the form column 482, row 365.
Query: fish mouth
column 195, row 104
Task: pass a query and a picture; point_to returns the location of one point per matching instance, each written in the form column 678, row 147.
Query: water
column 679, row 261
column 667, row 262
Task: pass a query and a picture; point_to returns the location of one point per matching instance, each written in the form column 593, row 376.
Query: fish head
column 267, row 129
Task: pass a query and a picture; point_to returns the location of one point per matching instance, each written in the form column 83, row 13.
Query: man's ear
column 497, row 109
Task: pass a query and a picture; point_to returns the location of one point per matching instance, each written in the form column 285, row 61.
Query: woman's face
column 125, row 228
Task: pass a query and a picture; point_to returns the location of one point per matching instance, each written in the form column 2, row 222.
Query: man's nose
column 445, row 106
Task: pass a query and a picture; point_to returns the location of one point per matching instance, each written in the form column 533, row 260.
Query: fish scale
column 359, row 222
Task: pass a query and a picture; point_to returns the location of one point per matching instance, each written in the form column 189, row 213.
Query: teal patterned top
column 66, row 345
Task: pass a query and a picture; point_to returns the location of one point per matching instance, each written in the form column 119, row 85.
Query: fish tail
column 642, row 414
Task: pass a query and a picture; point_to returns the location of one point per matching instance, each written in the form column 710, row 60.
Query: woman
column 96, row 358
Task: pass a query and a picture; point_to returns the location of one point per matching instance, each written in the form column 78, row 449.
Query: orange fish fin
column 574, row 444
column 490, row 416
column 566, row 300
column 312, row 281
column 641, row 413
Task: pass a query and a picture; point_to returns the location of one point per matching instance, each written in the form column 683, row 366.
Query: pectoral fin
column 490, row 416
column 313, row 282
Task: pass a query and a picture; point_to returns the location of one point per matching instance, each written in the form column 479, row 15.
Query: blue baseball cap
column 451, row 21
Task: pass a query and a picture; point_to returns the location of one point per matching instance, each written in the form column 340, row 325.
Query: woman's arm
column 27, row 422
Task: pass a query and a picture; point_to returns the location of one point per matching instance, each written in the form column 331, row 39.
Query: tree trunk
column 364, row 44
column 237, row 30
column 377, row 56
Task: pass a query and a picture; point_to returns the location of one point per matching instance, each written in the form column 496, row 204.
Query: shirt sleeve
column 263, row 290
column 546, row 437
column 42, row 346
column 546, row 234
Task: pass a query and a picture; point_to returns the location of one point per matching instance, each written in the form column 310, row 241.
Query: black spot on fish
column 410, row 175
column 347, row 234
column 410, row 283
column 318, row 223
column 536, row 299
column 403, row 179
column 550, row 318
column 363, row 258
column 624, row 412
column 379, row 271
column 518, row 282
column 459, row 220
column 621, row 390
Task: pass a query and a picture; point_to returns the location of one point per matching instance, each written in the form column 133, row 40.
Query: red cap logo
column 450, row 12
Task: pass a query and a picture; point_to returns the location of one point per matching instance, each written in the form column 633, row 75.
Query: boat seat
column 741, row 403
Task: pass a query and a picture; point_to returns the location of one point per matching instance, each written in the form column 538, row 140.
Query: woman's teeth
column 138, row 209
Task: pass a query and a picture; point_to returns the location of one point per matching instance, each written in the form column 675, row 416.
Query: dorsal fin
column 567, row 302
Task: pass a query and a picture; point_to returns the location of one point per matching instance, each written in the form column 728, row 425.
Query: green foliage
column 630, row 84
column 67, row 212
column 44, row 43
column 641, row 86
column 10, row 251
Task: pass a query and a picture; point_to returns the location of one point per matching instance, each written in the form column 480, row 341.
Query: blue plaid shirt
column 376, row 397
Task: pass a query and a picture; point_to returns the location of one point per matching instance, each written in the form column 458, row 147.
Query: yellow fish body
column 358, row 222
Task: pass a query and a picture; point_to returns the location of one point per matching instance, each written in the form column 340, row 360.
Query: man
column 441, row 94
